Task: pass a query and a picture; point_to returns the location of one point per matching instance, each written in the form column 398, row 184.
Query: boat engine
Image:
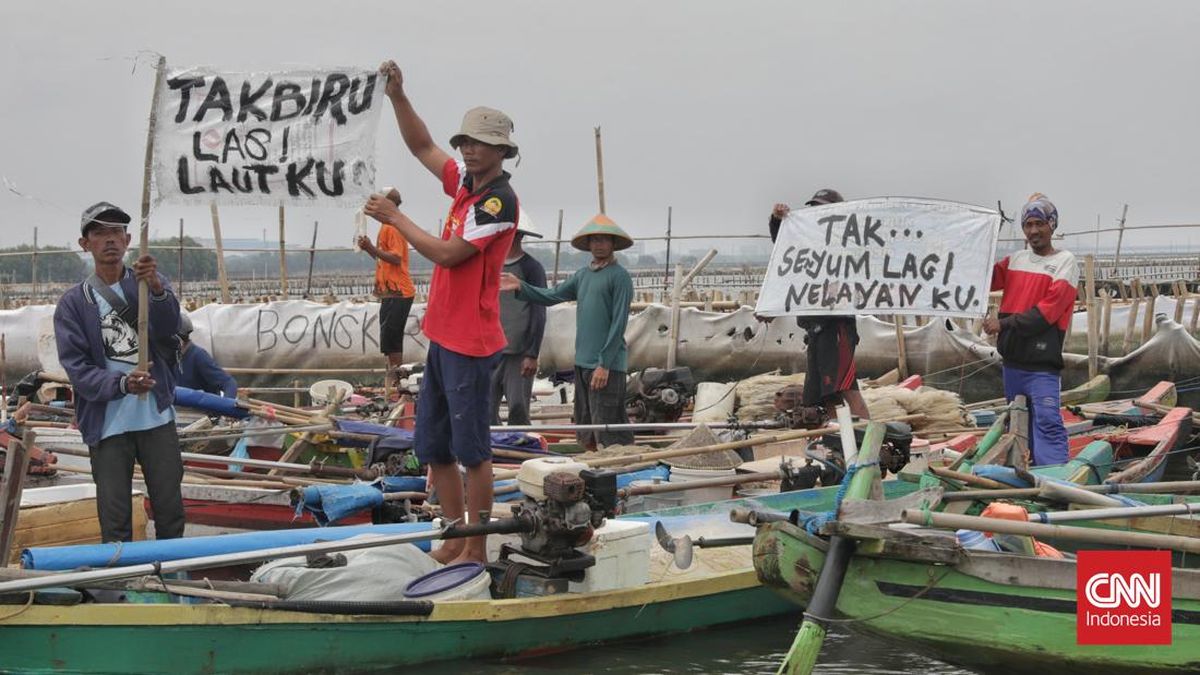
column 789, row 401
column 894, row 453
column 557, row 517
column 659, row 395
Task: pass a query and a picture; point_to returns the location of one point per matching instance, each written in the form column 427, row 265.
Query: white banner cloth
column 889, row 255
column 304, row 137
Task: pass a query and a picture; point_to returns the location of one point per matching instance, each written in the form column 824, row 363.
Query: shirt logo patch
column 492, row 206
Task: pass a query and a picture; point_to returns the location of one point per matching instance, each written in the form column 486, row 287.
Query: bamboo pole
column 143, row 327
column 1106, row 324
column 297, row 447
column 557, row 249
column 179, row 271
column 1120, row 237
column 901, row 350
column 1092, row 316
column 676, row 291
column 312, row 254
column 221, row 276
column 659, row 455
column 667, row 266
column 600, row 169
column 802, row 656
column 722, row 481
column 33, row 280
column 1180, row 299
column 305, row 371
column 1061, row 532
column 1175, row 487
column 283, row 279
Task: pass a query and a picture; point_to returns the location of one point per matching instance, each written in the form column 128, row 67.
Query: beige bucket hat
column 486, row 125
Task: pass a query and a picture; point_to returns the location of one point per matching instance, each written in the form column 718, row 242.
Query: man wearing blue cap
column 95, row 329
column 1039, row 297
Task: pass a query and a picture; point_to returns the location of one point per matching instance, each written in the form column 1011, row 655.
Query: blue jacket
column 81, row 351
column 198, row 370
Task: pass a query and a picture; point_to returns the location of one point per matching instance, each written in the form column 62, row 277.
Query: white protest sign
column 890, row 255
column 304, row 137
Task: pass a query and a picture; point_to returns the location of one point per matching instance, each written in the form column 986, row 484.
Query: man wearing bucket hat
column 603, row 291
column 524, row 324
column 95, row 331
column 831, row 376
column 462, row 314
column 1035, row 310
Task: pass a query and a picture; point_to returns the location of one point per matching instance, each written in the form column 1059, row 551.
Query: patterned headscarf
column 1039, row 206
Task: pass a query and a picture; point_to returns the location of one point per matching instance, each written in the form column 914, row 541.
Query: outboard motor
column 659, row 395
column 893, row 453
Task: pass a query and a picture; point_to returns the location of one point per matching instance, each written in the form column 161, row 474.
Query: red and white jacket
column 1036, row 308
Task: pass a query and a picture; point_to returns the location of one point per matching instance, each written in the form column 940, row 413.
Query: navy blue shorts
column 453, row 410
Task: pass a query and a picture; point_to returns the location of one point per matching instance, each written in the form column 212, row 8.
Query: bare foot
column 448, row 552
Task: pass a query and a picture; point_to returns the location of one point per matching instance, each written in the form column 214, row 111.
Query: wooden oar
column 1062, row 532
column 802, row 656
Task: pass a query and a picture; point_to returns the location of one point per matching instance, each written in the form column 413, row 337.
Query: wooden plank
column 1148, row 319
column 1130, row 322
column 1019, row 427
column 16, row 464
column 51, row 514
column 873, row 512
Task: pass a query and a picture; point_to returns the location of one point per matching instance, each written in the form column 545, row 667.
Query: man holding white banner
column 462, row 315
column 885, row 256
column 831, row 376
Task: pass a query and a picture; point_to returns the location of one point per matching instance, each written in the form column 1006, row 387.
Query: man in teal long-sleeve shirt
column 603, row 291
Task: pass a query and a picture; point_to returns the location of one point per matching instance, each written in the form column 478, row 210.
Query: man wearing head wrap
column 1039, row 296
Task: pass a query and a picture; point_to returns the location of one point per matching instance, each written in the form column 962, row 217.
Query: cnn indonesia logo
column 1123, row 598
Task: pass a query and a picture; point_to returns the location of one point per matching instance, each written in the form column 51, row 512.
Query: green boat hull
column 216, row 639
column 959, row 614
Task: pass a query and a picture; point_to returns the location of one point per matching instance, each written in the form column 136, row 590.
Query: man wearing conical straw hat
column 603, row 291
column 462, row 315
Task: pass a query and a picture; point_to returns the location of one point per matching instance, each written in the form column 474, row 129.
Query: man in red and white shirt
column 1039, row 298
column 462, row 315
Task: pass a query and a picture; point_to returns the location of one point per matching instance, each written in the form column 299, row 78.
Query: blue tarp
column 210, row 403
column 392, row 438
column 331, row 503
column 140, row 552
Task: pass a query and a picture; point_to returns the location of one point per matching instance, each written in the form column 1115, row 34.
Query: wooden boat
column 61, row 515
column 721, row 588
column 996, row 612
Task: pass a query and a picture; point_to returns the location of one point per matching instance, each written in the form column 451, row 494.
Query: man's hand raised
column 395, row 79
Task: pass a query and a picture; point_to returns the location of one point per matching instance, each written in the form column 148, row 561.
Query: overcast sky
column 717, row 109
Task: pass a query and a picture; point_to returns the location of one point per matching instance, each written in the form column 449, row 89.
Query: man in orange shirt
column 393, row 287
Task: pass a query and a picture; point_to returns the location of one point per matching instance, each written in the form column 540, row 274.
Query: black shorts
column 393, row 317
column 830, row 360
